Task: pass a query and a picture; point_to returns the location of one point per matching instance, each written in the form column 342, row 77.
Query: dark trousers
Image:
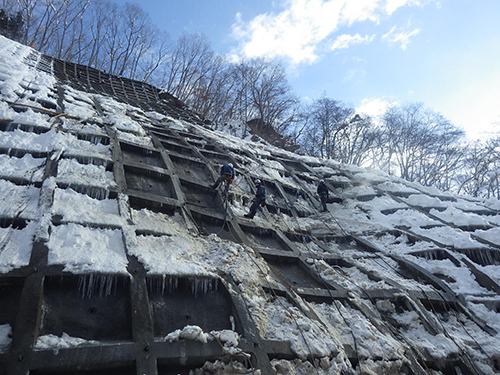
column 254, row 207
column 221, row 179
column 323, row 201
column 217, row 182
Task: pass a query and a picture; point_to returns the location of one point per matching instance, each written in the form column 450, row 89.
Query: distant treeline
column 409, row 140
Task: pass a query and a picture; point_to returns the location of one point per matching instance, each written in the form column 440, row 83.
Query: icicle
column 94, row 192
column 90, row 286
column 485, row 257
column 173, row 284
column 163, row 285
column 81, row 286
column 206, row 286
column 203, row 286
column 111, row 287
column 101, row 284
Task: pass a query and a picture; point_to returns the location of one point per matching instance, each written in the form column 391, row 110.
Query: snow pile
column 16, row 200
column 80, row 249
column 232, row 359
column 71, row 172
column 227, row 339
column 15, row 247
column 188, row 333
column 65, row 341
column 26, row 167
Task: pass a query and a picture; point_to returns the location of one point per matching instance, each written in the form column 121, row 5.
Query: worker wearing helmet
column 259, row 199
column 323, row 194
column 226, row 174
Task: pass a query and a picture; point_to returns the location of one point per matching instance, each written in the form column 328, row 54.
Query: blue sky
column 367, row 53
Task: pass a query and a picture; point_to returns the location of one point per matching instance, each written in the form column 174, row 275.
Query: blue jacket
column 261, row 192
column 227, row 170
column 322, row 189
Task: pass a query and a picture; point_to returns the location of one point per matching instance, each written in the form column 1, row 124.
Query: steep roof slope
column 117, row 256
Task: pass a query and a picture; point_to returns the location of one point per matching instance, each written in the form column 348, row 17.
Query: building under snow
column 117, row 257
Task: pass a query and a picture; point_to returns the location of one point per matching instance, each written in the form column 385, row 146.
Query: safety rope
column 277, row 298
column 327, row 287
column 435, row 313
column 225, row 205
column 439, row 293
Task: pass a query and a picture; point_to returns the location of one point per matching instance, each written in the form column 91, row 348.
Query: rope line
column 440, row 321
column 327, row 287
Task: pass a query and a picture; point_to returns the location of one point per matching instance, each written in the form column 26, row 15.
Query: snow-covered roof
column 115, row 251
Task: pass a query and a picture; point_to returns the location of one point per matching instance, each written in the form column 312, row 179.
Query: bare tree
column 101, row 13
column 271, row 95
column 420, row 145
column 326, row 118
column 262, row 95
column 136, row 38
column 11, row 21
column 42, row 15
column 480, row 176
column 354, row 141
column 152, row 57
column 54, row 27
column 214, row 92
column 242, row 107
column 28, row 12
column 69, row 28
column 188, row 63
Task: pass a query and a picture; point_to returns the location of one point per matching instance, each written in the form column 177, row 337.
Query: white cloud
column 295, row 32
column 360, row 10
column 352, row 73
column 300, row 31
column 346, row 40
column 396, row 36
column 374, row 107
column 392, row 5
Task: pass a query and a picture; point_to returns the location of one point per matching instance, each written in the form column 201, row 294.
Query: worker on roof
column 226, row 175
column 323, row 194
column 259, row 200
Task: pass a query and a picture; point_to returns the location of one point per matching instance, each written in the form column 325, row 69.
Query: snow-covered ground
column 96, row 234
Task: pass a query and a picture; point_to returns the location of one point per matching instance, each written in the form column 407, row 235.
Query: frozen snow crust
column 117, row 256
